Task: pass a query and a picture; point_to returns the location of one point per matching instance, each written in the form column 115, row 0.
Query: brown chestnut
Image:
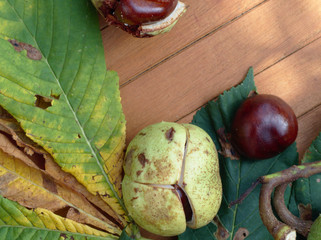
column 185, row 202
column 263, row 126
column 136, row 12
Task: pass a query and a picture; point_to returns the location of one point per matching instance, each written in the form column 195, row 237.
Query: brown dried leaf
column 35, row 156
column 227, row 149
column 241, row 234
column 221, row 232
column 25, row 152
column 305, row 211
column 32, row 188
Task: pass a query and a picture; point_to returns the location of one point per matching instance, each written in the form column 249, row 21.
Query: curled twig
column 280, row 180
column 300, row 225
column 275, row 227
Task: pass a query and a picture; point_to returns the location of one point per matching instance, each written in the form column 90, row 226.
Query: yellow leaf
column 34, row 189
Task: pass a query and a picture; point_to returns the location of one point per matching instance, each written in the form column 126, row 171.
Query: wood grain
column 131, row 56
column 294, row 79
column 171, row 76
column 261, row 38
column 309, row 129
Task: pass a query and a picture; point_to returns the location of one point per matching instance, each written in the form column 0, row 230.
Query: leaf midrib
column 56, row 230
column 94, row 153
column 59, row 197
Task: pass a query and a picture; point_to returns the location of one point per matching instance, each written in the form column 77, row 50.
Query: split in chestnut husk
column 171, row 178
column 141, row 18
column 263, row 126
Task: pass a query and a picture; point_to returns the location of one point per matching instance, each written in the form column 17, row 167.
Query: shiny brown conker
column 185, row 202
column 136, row 12
column 263, row 126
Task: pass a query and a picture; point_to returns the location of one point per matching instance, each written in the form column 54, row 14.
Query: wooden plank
column 295, row 79
column 261, row 38
column 130, row 56
column 309, row 129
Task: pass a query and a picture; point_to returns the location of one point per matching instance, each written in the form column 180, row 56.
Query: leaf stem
column 302, row 226
column 277, row 229
column 246, row 193
column 280, row 230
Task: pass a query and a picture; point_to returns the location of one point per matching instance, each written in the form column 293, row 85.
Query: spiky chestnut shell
column 162, row 157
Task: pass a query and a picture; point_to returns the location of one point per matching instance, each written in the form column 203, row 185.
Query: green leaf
column 204, row 233
column 315, row 232
column 238, row 175
column 54, row 81
column 17, row 222
column 307, row 191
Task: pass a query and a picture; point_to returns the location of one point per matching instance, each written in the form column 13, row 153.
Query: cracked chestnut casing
column 165, row 157
column 141, row 18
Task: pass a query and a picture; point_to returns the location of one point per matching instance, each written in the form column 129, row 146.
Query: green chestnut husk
column 161, row 158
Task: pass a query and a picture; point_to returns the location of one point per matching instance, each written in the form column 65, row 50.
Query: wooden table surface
column 169, row 77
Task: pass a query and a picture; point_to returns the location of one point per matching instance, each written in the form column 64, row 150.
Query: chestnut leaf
column 238, row 173
column 54, row 83
column 18, row 222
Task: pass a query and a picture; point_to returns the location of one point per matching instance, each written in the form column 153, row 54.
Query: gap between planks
column 195, row 41
column 198, row 87
column 130, row 56
column 188, row 117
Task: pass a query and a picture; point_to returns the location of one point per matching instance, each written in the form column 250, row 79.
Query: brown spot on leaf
column 305, row 211
column 241, row 234
column 221, row 232
column 55, row 96
column 134, row 198
column 106, row 195
column 142, row 134
column 43, row 102
column 227, row 149
column 63, row 236
column 32, row 52
column 49, row 184
column 142, row 159
column 170, row 134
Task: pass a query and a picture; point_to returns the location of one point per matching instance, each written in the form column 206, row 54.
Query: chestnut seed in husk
column 172, row 178
column 136, row 12
column 185, row 202
column 263, row 126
